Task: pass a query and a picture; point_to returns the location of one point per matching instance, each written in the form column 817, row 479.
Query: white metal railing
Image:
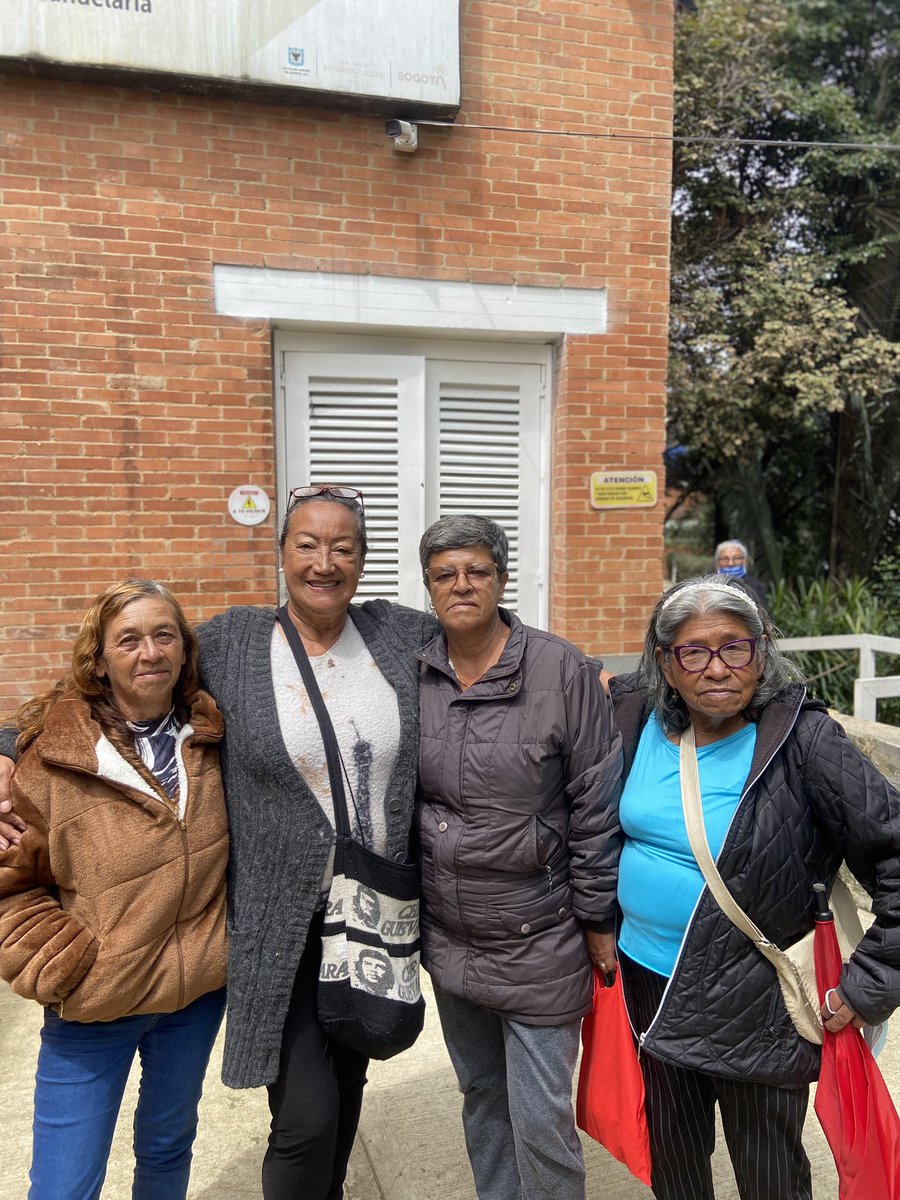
column 868, row 688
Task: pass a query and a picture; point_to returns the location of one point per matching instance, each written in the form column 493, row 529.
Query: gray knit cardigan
column 280, row 838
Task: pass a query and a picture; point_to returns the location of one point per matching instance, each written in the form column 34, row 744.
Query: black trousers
column 763, row 1124
column 315, row 1101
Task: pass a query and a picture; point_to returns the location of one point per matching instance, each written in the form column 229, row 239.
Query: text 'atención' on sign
column 624, row 489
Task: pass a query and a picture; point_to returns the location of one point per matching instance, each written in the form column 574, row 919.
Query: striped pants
column 763, row 1124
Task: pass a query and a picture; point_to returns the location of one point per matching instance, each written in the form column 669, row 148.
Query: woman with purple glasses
column 786, row 798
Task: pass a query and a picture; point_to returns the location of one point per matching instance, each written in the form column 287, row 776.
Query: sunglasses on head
column 338, row 491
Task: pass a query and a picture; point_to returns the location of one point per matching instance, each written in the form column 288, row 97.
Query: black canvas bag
column 369, row 996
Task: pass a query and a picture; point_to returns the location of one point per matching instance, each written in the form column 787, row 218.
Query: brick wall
column 130, row 409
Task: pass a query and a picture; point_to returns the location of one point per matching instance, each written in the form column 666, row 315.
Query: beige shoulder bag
column 795, row 966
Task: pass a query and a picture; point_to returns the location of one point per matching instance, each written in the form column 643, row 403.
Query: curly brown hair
column 82, row 679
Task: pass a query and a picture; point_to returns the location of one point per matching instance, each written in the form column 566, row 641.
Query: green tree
column 786, row 276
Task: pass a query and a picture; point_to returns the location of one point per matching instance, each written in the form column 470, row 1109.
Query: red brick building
column 206, row 291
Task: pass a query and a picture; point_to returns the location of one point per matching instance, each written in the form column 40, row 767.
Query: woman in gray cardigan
column 279, row 800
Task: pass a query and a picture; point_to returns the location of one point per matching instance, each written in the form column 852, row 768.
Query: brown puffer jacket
column 517, row 825
column 112, row 904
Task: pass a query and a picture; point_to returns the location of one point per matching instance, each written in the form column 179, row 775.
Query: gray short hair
column 731, row 542
column 691, row 598
column 467, row 529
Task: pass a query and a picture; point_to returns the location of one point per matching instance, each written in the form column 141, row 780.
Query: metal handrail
column 868, row 688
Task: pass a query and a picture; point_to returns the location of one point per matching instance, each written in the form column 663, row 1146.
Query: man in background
column 733, row 561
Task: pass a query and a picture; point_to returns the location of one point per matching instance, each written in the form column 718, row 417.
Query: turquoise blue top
column 659, row 880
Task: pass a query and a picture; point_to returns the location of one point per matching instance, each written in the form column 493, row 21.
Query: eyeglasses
column 326, row 489
column 477, row 574
column 695, row 659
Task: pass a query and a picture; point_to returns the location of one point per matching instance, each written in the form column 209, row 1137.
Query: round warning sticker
column 248, row 505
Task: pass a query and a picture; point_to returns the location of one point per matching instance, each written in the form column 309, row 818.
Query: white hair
column 732, row 542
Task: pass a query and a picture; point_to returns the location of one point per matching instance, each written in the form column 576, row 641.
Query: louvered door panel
column 422, row 438
column 362, row 421
column 478, row 461
column 481, row 418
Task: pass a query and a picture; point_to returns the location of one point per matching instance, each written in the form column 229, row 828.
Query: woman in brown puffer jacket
column 112, row 907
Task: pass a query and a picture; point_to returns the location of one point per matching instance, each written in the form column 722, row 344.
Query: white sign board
column 248, row 505
column 400, row 51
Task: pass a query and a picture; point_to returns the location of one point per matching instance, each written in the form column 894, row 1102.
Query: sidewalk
column 410, row 1144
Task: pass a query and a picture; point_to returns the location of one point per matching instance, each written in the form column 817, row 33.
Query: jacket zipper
column 749, row 784
column 181, row 817
column 462, row 804
column 187, row 874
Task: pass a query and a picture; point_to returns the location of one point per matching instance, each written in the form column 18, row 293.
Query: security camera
column 405, row 135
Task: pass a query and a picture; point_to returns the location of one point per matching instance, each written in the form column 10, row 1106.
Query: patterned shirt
column 154, row 741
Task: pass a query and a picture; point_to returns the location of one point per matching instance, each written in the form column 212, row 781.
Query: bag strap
column 696, row 831
column 332, row 751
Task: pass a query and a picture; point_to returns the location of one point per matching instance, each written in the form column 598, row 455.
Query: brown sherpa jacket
column 114, row 902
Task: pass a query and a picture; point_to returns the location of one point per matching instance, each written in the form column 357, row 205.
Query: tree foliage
column 786, row 276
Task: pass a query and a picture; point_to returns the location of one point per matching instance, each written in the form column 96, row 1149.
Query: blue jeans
column 516, row 1082
column 81, row 1075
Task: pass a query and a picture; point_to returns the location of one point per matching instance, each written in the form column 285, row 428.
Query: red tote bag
column 610, row 1099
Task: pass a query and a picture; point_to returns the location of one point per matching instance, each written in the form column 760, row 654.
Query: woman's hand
column 837, row 1013
column 11, row 825
column 602, row 950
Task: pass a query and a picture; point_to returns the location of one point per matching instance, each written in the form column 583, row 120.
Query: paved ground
column 410, row 1145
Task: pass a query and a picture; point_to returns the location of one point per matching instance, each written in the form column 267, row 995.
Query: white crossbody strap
column 847, row 922
column 796, row 965
column 696, row 831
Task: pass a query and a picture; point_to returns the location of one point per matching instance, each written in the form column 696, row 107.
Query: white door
column 423, row 436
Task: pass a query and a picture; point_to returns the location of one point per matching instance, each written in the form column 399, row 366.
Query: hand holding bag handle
column 795, row 967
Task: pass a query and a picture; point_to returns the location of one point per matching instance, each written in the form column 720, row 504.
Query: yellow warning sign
column 623, row 489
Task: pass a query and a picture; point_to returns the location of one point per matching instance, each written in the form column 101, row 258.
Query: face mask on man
column 737, row 572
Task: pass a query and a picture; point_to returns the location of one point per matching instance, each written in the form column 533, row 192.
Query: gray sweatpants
column 516, row 1082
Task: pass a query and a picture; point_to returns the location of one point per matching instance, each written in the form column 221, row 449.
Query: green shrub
column 885, row 580
column 820, row 608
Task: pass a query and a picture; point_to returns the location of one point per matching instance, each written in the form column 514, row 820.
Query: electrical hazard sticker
column 248, row 505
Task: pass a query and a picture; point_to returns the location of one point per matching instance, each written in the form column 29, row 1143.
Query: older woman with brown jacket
column 112, row 906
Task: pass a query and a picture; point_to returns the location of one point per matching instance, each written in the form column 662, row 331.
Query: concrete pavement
column 410, row 1144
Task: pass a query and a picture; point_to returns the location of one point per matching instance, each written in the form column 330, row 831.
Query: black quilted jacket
column 811, row 799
